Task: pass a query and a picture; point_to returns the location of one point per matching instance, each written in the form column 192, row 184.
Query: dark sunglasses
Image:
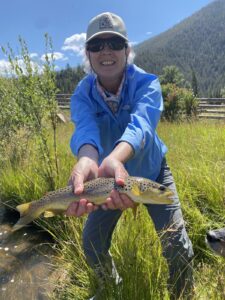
column 114, row 43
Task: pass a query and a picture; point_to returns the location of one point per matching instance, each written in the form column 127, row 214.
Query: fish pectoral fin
column 98, row 200
column 49, row 214
column 23, row 208
column 52, row 213
column 135, row 190
column 134, row 209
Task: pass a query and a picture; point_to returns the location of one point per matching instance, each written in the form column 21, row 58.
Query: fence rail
column 211, row 108
column 208, row 108
column 63, row 100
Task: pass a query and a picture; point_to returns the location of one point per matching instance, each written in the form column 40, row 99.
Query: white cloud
column 57, row 68
column 75, row 43
column 56, row 56
column 133, row 43
column 149, row 32
column 33, row 55
column 36, row 67
column 5, row 67
column 37, row 63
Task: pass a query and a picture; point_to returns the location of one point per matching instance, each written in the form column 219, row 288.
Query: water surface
column 26, row 257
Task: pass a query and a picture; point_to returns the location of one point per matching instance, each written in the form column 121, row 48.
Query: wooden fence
column 211, row 108
column 208, row 108
column 63, row 100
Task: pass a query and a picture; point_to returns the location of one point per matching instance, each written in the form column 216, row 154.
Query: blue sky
column 66, row 22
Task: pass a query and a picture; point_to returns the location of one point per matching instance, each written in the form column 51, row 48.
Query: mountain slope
column 197, row 43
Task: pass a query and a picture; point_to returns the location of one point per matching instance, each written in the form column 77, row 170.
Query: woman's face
column 108, row 64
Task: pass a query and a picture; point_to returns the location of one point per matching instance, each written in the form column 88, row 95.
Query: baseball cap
column 106, row 23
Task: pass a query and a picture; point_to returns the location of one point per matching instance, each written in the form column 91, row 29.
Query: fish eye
column 162, row 188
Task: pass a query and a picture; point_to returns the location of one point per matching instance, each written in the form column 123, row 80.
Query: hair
column 87, row 67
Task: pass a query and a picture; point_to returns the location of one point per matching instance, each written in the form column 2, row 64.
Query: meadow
column 197, row 158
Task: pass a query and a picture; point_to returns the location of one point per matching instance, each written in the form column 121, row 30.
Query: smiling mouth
column 107, row 63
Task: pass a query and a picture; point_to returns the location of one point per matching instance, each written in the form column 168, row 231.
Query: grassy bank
column 197, row 159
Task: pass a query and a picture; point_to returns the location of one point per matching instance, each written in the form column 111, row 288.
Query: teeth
column 109, row 62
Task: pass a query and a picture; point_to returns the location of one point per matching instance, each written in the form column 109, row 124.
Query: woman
column 116, row 109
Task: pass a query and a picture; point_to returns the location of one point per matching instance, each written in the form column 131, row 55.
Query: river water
column 26, row 261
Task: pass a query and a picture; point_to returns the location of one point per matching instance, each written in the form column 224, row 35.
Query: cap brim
column 103, row 32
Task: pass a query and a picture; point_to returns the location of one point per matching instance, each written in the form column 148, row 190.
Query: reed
column 197, row 159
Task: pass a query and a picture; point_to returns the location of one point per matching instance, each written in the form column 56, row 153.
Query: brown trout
column 138, row 189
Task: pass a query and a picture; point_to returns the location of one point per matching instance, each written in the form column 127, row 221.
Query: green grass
column 197, row 158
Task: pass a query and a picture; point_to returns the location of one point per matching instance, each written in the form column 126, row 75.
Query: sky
column 66, row 22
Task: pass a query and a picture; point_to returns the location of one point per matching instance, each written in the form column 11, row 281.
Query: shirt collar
column 105, row 93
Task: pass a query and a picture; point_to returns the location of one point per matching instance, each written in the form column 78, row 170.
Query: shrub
column 179, row 103
column 29, row 108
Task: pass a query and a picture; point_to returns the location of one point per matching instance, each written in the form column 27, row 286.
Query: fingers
column 77, row 180
column 78, row 184
column 85, row 169
column 102, row 172
column 80, row 208
column 117, row 201
column 113, row 168
column 120, row 174
column 127, row 202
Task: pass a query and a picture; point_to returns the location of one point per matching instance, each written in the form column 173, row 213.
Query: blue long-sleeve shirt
column 135, row 122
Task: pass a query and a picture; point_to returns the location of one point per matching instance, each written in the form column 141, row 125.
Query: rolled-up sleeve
column 84, row 117
column 145, row 114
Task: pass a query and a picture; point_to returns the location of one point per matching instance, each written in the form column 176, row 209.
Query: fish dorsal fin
column 135, row 190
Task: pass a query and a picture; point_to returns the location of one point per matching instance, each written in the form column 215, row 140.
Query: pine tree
column 194, row 83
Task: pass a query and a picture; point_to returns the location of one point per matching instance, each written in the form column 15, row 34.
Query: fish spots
column 98, row 183
column 96, row 191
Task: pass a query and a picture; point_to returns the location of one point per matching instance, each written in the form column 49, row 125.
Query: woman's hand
column 78, row 209
column 85, row 169
column 112, row 167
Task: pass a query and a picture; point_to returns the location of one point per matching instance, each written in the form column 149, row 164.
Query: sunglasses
column 114, row 43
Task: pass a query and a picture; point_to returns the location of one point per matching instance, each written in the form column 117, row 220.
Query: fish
column 138, row 189
column 215, row 239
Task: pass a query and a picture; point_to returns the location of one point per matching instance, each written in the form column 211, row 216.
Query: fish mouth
column 169, row 193
column 167, row 200
column 168, row 196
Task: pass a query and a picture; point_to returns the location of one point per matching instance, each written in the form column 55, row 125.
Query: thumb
column 78, row 184
column 101, row 172
column 120, row 175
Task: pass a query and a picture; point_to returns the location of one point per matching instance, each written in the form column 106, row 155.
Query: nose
column 106, row 47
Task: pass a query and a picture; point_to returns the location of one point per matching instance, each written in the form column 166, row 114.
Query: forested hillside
column 68, row 78
column 196, row 46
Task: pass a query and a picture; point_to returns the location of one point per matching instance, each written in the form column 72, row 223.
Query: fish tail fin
column 23, row 222
column 25, row 216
